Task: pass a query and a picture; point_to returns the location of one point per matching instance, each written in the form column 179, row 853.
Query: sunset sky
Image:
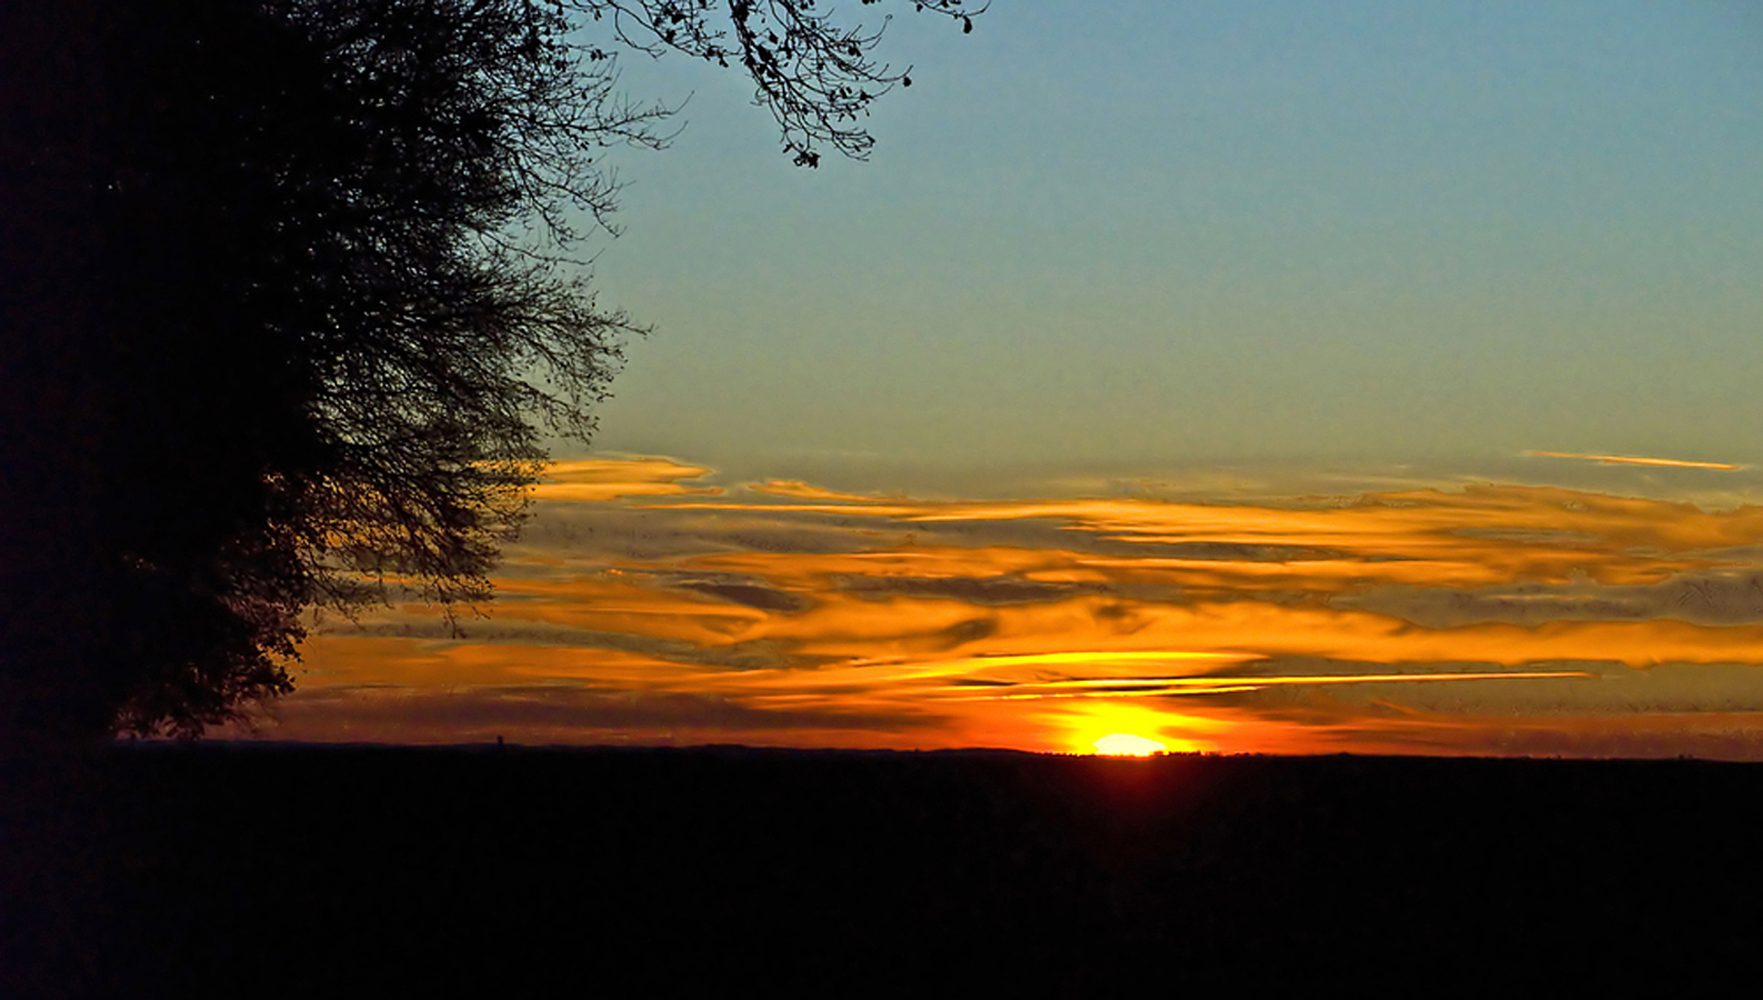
column 1284, row 377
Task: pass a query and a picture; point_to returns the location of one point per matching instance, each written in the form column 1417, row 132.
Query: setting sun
column 1125, row 745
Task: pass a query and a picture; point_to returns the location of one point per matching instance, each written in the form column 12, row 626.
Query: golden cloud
column 600, row 479
column 1030, row 623
column 1674, row 463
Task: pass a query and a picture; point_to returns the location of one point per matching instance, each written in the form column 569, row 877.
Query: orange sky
column 644, row 605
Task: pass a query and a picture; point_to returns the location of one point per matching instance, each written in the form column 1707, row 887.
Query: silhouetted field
column 167, row 870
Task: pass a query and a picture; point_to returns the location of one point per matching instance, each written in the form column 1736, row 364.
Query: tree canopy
column 287, row 313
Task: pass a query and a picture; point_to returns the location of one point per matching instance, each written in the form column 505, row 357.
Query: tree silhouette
column 286, row 315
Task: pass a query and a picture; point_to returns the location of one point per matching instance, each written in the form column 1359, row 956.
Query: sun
column 1125, row 727
column 1127, row 745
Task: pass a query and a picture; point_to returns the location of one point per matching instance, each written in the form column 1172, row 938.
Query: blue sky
column 1139, row 236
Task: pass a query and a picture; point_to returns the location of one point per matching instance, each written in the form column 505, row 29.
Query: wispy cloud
column 612, row 479
column 1674, row 463
column 643, row 607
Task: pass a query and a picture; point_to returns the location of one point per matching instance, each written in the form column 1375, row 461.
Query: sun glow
column 1127, row 727
column 1127, row 745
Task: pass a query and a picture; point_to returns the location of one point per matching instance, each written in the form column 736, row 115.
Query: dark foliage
column 286, row 316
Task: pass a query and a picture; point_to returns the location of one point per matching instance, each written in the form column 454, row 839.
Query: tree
column 287, row 314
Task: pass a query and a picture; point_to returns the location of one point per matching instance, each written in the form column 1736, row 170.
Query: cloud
column 612, row 479
column 1637, row 460
column 798, row 490
column 782, row 609
column 1709, row 598
column 762, row 598
column 558, row 714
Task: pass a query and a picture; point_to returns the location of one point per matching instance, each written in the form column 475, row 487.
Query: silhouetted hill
column 170, row 870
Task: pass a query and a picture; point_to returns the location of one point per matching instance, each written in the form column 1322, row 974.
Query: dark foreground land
column 172, row 871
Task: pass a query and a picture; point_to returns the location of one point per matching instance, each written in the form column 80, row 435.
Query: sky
column 1273, row 377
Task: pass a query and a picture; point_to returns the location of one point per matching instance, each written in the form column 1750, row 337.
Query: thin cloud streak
column 1211, row 685
column 1637, row 460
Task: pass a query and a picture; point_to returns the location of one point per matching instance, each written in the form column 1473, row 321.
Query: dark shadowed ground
column 169, row 870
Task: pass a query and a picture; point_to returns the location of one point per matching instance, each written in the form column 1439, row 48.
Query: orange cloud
column 798, row 490
column 837, row 619
column 601, row 479
column 1636, row 460
column 1482, row 533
